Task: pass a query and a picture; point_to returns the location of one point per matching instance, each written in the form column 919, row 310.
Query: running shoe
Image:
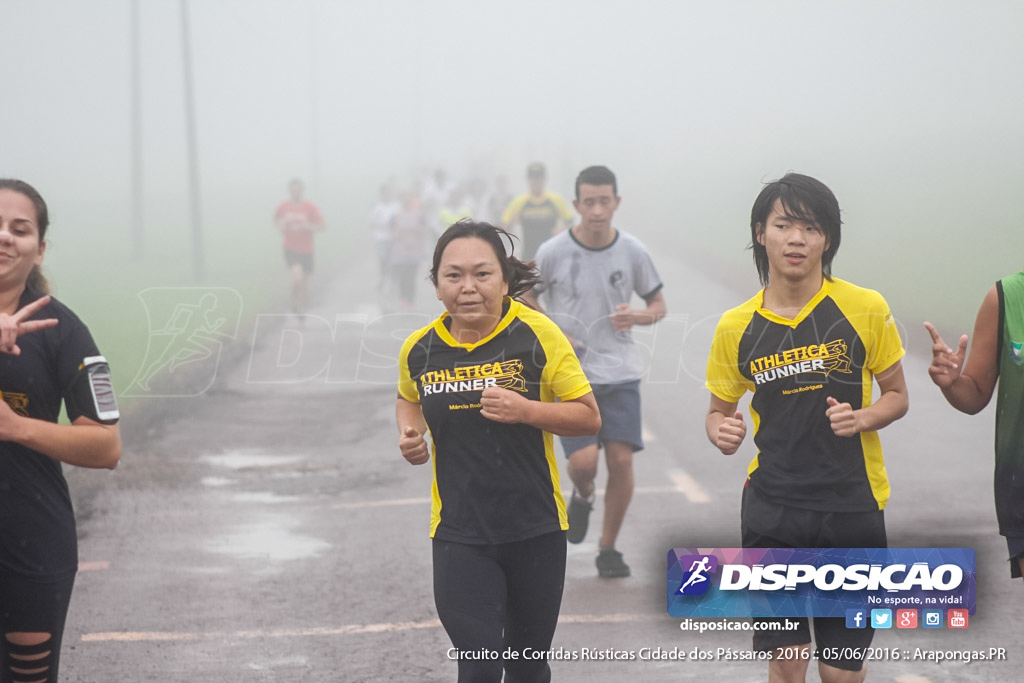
column 610, row 565
column 579, row 517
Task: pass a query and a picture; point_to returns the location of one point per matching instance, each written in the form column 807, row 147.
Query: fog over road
column 267, row 529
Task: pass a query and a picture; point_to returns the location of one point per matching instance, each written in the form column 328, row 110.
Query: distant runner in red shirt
column 298, row 219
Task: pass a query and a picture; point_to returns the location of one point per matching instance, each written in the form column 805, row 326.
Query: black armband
column 93, row 391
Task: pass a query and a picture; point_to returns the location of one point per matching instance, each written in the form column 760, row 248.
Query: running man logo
column 17, row 402
column 820, row 358
column 188, row 329
column 506, row 374
column 817, row 582
column 696, row 581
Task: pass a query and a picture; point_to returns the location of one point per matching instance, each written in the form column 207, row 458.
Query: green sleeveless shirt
column 1009, row 475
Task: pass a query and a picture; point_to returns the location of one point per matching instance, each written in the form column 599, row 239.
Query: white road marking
column 93, row 566
column 378, row 503
column 348, row 629
column 681, row 483
column 606, row 618
column 689, row 487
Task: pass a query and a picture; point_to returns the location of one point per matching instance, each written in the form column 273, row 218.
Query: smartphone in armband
column 94, row 391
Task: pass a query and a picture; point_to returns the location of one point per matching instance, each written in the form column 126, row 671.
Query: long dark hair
column 803, row 198
column 521, row 276
column 36, row 280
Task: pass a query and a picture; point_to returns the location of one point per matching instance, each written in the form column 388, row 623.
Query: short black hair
column 803, row 198
column 596, row 175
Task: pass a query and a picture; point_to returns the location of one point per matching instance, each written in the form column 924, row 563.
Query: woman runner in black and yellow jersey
column 492, row 380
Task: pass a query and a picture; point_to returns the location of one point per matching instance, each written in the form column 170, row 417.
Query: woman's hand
column 504, row 405
column 8, row 422
column 11, row 326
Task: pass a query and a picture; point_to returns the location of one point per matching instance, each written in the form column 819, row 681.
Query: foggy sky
column 909, row 110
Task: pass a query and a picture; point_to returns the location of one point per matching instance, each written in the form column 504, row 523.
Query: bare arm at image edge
column 968, row 382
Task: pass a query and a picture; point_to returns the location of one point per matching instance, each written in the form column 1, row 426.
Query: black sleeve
column 84, row 375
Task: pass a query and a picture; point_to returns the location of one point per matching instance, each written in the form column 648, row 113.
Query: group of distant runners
column 405, row 223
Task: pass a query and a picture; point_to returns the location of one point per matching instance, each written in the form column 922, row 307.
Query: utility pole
column 138, row 231
column 198, row 265
column 314, row 131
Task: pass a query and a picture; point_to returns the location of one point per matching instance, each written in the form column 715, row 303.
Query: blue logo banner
column 818, row 582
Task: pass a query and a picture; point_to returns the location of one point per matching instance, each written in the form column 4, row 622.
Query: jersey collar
column 826, row 287
column 512, row 308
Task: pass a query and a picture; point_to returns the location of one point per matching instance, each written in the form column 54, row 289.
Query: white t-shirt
column 581, row 288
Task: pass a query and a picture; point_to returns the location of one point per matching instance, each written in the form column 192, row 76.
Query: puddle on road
column 283, row 662
column 242, row 460
column 216, row 482
column 263, row 497
column 270, row 538
column 261, row 534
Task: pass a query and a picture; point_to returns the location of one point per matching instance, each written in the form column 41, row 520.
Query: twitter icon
column 881, row 618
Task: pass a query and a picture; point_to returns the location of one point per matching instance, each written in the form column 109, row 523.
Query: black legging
column 28, row 606
column 493, row 598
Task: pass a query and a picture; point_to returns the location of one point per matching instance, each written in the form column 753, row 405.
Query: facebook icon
column 856, row 618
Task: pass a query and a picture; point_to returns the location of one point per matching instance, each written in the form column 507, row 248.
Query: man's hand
column 413, row 446
column 946, row 364
column 842, row 417
column 731, row 433
column 622, row 318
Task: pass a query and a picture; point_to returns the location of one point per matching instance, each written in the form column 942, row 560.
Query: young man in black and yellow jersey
column 808, row 346
column 539, row 213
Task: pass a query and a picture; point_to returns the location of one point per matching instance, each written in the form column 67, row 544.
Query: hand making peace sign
column 11, row 326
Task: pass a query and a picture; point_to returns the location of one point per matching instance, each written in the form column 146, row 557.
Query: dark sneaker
column 579, row 516
column 610, row 565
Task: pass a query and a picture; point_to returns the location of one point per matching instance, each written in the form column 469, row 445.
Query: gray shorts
column 620, row 418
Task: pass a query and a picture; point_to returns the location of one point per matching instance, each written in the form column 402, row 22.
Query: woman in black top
column 47, row 356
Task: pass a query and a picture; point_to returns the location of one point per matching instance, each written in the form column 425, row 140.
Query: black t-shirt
column 493, row 482
column 842, row 339
column 37, row 523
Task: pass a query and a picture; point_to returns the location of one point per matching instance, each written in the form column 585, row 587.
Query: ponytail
column 37, row 282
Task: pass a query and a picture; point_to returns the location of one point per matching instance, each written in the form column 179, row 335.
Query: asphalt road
column 263, row 527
